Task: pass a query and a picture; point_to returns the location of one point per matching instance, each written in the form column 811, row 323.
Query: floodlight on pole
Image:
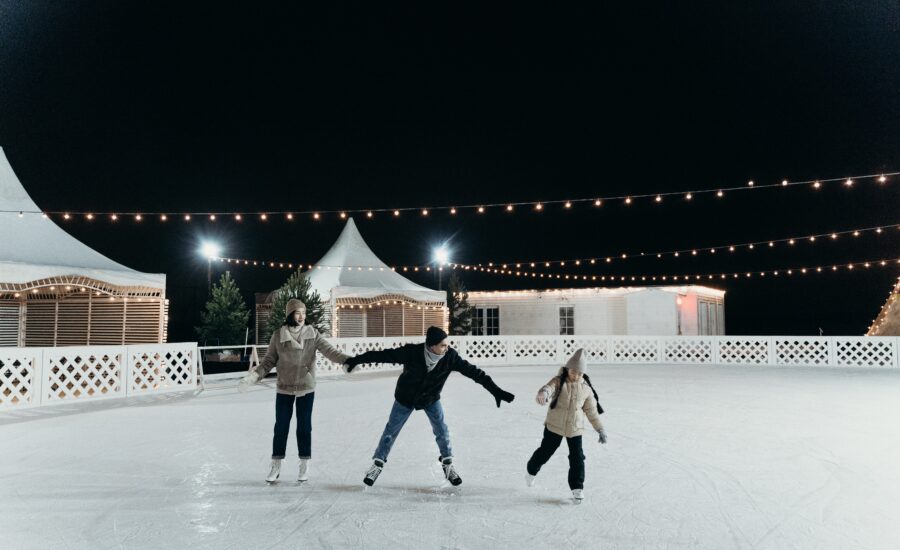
column 210, row 251
column 441, row 257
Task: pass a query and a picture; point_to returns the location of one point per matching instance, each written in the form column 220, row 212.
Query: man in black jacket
column 425, row 370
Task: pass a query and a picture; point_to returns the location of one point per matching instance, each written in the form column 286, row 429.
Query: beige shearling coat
column 576, row 401
column 296, row 361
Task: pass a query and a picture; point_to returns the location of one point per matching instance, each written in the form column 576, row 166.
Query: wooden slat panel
column 393, row 320
column 142, row 322
column 107, row 322
column 350, row 323
column 40, row 323
column 412, row 322
column 375, row 321
column 72, row 322
column 9, row 324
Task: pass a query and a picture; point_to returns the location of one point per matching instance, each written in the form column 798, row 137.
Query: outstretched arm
column 547, row 391
column 329, row 351
column 469, row 370
column 392, row 355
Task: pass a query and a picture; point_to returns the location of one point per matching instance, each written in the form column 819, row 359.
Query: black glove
column 351, row 364
column 500, row 395
column 602, row 435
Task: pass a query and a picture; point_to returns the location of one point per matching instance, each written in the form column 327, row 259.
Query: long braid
column 563, row 375
column 596, row 398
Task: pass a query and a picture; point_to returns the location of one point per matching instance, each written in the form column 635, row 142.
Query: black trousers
column 548, row 446
column 284, row 405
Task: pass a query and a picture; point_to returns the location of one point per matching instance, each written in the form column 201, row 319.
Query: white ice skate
column 578, row 495
column 274, row 471
column 529, row 479
column 303, row 474
column 373, row 472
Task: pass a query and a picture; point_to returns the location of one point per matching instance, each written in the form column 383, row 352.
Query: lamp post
column 210, row 251
column 441, row 257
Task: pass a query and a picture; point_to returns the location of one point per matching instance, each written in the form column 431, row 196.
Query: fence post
column 128, row 376
column 832, row 351
column 38, row 376
column 773, row 359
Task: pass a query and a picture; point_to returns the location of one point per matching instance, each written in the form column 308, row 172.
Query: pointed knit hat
column 577, row 362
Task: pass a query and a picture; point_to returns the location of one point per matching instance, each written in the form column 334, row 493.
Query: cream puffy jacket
column 576, row 401
column 296, row 361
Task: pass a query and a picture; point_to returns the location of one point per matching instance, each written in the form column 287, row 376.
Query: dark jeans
column 399, row 416
column 548, row 446
column 284, row 405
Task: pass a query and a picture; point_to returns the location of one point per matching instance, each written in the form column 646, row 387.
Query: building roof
column 351, row 269
column 33, row 247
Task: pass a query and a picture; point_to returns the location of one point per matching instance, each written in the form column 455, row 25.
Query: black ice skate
column 450, row 471
column 373, row 472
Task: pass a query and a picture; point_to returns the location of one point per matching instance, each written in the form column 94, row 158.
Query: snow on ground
column 698, row 457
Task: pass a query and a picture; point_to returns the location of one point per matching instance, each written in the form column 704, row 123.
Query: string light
column 750, row 245
column 567, row 203
column 803, row 270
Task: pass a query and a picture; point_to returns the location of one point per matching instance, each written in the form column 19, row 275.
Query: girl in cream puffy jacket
column 573, row 404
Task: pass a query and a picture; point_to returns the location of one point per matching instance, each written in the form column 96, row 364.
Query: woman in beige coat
column 572, row 398
column 293, row 350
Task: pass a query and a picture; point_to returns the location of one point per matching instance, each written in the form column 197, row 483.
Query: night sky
column 131, row 106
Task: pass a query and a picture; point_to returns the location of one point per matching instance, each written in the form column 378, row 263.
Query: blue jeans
column 399, row 415
column 284, row 405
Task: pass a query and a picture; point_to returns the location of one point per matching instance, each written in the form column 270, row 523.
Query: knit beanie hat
column 293, row 305
column 577, row 362
column 434, row 335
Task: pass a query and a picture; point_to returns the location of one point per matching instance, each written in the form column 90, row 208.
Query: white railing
column 830, row 351
column 32, row 377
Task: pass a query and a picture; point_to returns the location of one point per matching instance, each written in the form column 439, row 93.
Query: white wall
column 599, row 311
column 652, row 312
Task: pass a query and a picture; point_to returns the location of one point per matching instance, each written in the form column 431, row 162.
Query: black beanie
column 434, row 335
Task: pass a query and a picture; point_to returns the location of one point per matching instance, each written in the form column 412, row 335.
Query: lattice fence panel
column 17, row 379
column 688, row 350
column 801, row 351
column 487, row 349
column 161, row 368
column 743, row 351
column 636, row 350
column 596, row 349
column 83, row 373
column 865, row 352
column 534, row 350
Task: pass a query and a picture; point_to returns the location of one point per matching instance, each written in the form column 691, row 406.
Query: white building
column 669, row 310
column 57, row 291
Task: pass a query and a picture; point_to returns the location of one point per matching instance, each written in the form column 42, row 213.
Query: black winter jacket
column 417, row 388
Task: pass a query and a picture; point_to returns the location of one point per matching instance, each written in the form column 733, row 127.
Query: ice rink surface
column 698, row 457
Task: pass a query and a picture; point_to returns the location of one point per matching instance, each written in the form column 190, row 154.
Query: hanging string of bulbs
column 482, row 208
column 803, row 270
column 576, row 262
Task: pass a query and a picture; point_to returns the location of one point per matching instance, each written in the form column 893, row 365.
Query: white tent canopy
column 34, row 248
column 351, row 269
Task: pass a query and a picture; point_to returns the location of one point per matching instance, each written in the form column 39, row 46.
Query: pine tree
column 297, row 286
column 458, row 306
column 225, row 319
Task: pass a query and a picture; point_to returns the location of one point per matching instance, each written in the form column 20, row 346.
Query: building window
column 486, row 321
column 567, row 320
